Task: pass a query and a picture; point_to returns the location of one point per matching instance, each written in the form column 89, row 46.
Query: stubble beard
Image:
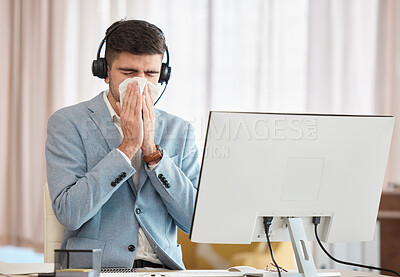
column 114, row 91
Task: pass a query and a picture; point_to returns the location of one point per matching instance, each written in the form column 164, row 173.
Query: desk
column 352, row 273
column 198, row 273
column 343, row 273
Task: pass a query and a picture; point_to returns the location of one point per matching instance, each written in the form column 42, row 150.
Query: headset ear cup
column 165, row 73
column 95, row 66
column 103, row 68
column 99, row 68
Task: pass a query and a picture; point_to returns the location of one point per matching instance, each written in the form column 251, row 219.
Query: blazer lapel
column 102, row 118
column 158, row 127
column 142, row 175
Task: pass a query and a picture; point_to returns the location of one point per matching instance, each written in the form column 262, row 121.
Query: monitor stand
column 302, row 251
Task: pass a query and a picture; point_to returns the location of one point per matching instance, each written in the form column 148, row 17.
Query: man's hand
column 131, row 121
column 148, row 146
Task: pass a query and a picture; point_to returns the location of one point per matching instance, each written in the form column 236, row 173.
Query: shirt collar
column 116, row 119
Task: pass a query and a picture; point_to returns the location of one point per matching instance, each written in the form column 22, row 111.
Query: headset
column 99, row 66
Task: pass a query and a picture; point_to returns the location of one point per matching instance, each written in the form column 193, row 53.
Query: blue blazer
column 92, row 190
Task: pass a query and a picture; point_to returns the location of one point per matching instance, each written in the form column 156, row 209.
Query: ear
column 107, row 79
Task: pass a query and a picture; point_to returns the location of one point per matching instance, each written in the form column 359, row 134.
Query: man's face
column 128, row 65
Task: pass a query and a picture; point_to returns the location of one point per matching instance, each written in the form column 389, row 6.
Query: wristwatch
column 153, row 157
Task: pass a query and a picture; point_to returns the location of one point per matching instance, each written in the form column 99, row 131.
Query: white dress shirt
column 144, row 251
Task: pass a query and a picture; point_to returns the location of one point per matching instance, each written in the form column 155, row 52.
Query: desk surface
column 225, row 273
column 217, row 273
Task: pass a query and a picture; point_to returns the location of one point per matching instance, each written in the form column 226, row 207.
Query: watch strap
column 155, row 156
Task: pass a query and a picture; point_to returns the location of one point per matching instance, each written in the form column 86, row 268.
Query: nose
column 141, row 75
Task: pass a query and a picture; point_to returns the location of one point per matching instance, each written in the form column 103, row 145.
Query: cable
column 267, row 224
column 316, row 221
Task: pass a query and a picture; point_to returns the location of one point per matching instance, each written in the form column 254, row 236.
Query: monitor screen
column 290, row 165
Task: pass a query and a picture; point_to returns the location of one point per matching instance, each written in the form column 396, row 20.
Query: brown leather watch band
column 156, row 156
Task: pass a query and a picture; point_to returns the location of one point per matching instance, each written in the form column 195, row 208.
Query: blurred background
column 307, row 56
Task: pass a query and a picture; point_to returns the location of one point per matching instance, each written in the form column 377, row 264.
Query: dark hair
column 134, row 36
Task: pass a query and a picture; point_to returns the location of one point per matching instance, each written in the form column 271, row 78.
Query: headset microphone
column 165, row 73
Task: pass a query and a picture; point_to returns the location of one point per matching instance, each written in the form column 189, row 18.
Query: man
column 122, row 178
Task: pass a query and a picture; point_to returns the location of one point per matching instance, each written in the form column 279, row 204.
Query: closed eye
column 151, row 74
column 128, row 71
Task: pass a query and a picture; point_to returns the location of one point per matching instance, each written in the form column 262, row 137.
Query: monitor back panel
column 282, row 165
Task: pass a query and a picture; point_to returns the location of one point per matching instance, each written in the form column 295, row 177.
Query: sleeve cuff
column 150, row 167
column 125, row 156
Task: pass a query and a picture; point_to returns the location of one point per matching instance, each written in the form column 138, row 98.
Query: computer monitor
column 290, row 165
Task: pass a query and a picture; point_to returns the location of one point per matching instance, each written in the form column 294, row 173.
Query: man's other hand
column 148, row 147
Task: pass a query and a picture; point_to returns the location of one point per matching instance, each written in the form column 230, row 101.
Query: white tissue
column 154, row 90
